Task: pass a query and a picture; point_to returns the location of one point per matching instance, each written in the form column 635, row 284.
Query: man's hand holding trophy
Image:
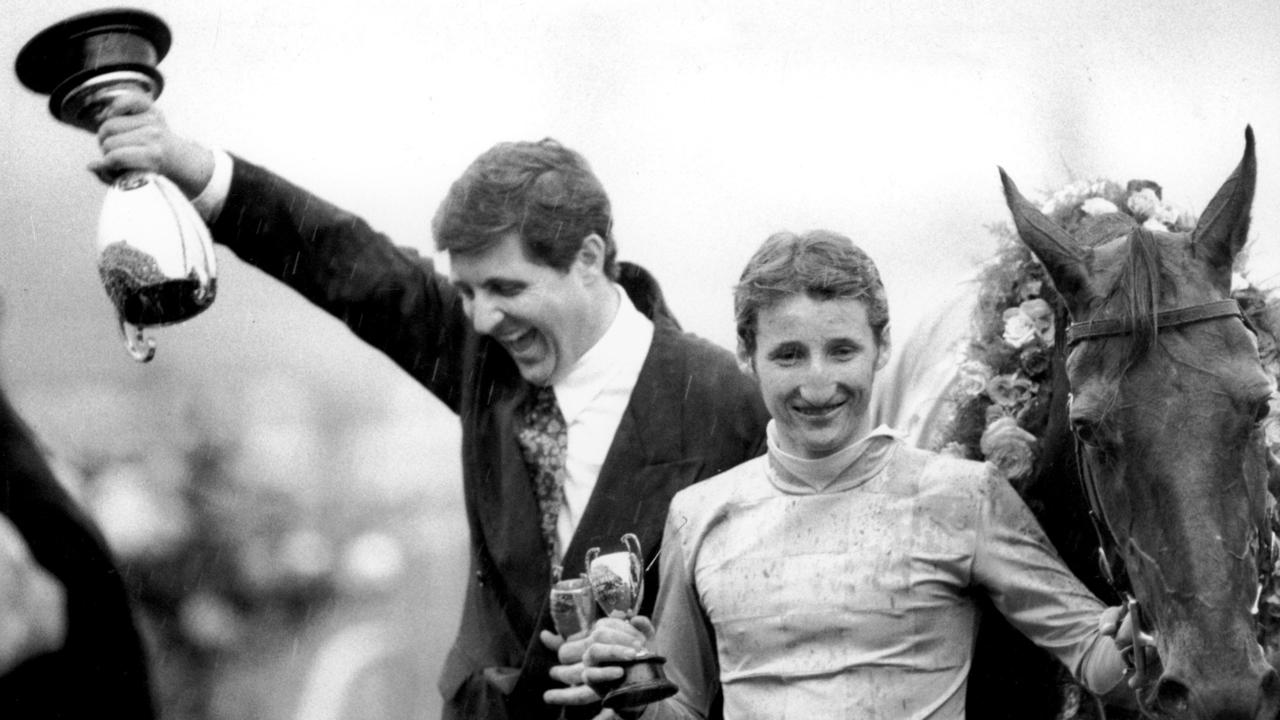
column 155, row 254
column 624, row 674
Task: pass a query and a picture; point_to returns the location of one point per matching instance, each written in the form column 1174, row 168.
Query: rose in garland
column 972, row 377
column 1035, row 362
column 1011, row 352
column 1098, row 206
column 1010, row 391
column 1010, row 448
column 1019, row 328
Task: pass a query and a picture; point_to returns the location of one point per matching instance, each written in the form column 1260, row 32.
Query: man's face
column 540, row 315
column 816, row 360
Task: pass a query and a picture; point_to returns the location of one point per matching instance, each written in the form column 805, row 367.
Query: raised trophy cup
column 617, row 581
column 155, row 256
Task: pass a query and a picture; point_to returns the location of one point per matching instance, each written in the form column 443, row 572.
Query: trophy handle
column 636, row 554
column 592, row 554
column 632, row 544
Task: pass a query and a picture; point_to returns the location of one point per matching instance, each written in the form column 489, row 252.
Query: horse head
column 1167, row 391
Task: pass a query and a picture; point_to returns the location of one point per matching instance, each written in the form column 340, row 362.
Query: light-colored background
column 712, row 124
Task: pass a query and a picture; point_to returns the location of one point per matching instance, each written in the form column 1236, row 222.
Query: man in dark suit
column 536, row 301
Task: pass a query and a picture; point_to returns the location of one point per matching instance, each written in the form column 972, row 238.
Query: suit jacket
column 693, row 414
column 101, row 669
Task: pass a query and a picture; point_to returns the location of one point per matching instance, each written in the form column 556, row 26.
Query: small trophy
column 155, row 256
column 617, row 581
column 573, row 606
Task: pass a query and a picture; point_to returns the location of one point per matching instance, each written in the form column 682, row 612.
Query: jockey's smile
column 816, row 361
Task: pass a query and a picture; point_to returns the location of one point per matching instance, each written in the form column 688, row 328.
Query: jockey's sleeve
column 1031, row 586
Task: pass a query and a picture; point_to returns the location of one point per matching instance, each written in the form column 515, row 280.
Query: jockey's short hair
column 543, row 191
column 821, row 264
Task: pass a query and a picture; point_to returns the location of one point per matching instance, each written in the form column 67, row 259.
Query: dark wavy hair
column 821, row 264
column 542, row 191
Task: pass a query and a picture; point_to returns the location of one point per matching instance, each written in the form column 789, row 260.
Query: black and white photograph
column 402, row 360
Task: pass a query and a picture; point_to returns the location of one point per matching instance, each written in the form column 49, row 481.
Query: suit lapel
column 647, row 462
column 504, row 502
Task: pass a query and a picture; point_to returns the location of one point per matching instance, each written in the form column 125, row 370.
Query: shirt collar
column 844, row 469
column 622, row 349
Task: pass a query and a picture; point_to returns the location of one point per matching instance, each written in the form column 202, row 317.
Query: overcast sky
column 712, row 124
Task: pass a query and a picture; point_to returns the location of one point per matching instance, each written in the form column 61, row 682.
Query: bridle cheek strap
column 1110, row 559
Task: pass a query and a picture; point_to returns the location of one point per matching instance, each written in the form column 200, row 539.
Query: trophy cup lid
column 67, row 54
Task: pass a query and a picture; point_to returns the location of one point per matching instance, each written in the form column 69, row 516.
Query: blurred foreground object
column 155, row 256
column 32, row 603
column 100, row 669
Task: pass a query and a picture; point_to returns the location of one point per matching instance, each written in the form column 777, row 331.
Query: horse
column 1152, row 457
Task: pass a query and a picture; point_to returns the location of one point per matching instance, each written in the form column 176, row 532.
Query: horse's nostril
column 1270, row 694
column 1172, row 696
column 1243, row 696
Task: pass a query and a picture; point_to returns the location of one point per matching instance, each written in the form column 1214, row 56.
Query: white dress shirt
column 214, row 195
column 593, row 396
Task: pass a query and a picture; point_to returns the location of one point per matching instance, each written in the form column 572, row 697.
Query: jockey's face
column 816, row 361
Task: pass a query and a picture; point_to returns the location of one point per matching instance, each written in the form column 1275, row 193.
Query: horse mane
column 1136, row 292
column 1138, row 287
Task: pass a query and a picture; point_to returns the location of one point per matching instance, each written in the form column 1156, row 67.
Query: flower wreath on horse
column 1144, row 287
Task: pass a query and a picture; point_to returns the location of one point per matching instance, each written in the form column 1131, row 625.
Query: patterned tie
column 544, row 440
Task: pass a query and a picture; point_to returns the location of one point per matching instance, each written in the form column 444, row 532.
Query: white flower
column 972, row 377
column 1019, row 328
column 1078, row 189
column 1040, row 312
column 1143, row 204
column 1271, row 431
column 1066, row 197
column 1154, row 224
column 1098, row 206
column 1166, row 214
column 1009, row 448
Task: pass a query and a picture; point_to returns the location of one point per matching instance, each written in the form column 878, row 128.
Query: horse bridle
column 1110, row 559
column 1109, row 327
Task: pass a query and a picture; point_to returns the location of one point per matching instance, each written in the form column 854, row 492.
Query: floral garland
column 998, row 405
column 999, row 402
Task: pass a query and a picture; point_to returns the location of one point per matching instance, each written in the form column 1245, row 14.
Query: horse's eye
column 1085, row 430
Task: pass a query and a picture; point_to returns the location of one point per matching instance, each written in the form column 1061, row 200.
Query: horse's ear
column 1055, row 248
column 1224, row 225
